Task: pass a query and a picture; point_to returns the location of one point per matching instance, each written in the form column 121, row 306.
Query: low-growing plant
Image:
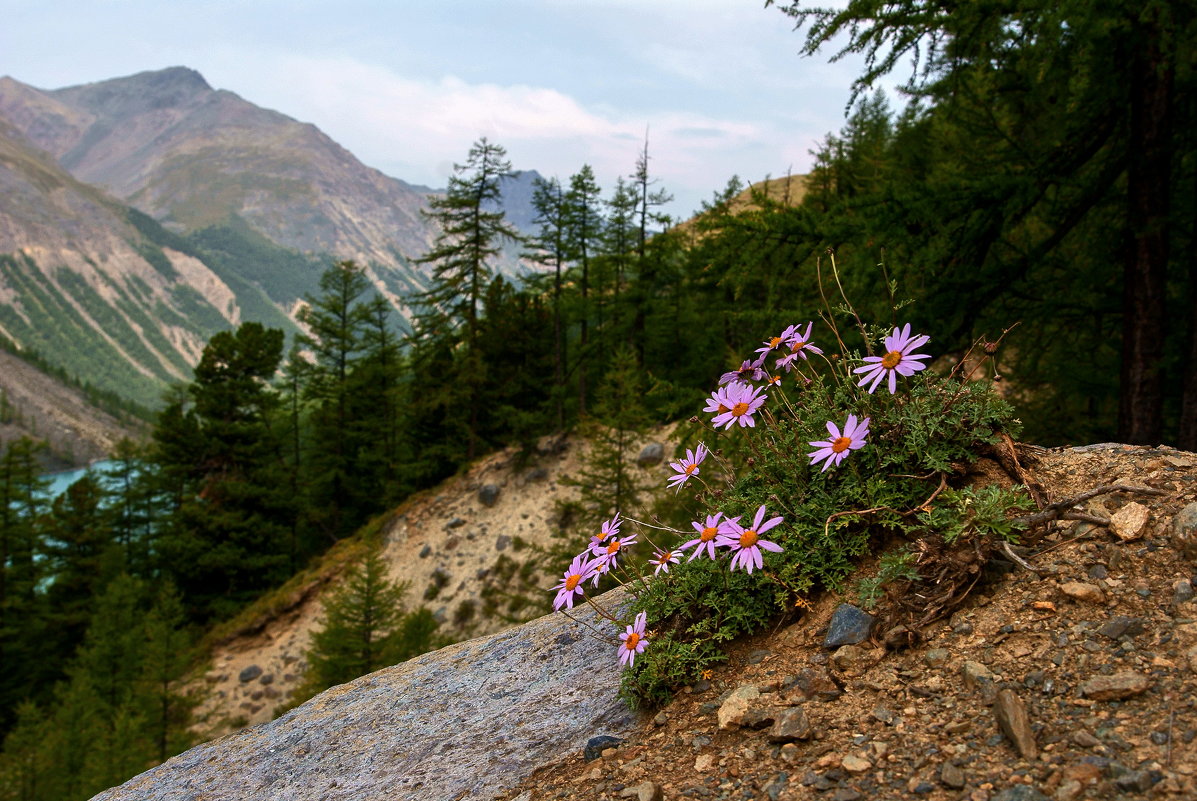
column 972, row 512
column 825, row 453
column 439, row 581
column 893, row 566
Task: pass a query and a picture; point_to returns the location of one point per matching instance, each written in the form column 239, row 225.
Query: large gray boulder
column 466, row 721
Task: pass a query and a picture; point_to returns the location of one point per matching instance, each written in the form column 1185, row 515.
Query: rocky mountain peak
column 137, row 94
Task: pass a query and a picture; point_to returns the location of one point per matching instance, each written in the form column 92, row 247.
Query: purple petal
column 769, row 524
column 876, row 362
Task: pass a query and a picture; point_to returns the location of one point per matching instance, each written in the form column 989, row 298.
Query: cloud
column 416, row 129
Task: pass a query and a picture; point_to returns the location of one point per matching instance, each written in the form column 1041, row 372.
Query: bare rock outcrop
column 467, row 721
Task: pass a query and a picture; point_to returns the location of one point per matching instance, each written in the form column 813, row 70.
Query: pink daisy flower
column 633, row 641
column 687, row 467
column 741, row 402
column 898, row 359
column 707, row 534
column 799, row 345
column 773, row 343
column 663, row 559
column 840, row 444
column 570, row 588
column 610, row 529
column 718, row 402
column 749, row 371
column 600, row 569
column 746, row 543
column 607, row 554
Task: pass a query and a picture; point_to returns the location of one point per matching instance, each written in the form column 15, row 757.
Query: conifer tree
column 616, row 269
column 647, row 218
column 336, row 320
column 584, row 208
column 228, row 539
column 517, row 346
column 609, row 480
column 133, row 505
column 165, row 710
column 364, row 628
column 25, row 764
column 22, row 646
column 83, row 556
column 292, row 423
column 552, row 215
column 374, row 406
column 469, row 239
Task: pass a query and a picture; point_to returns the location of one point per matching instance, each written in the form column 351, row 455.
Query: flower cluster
column 740, row 395
column 602, row 556
column 737, row 400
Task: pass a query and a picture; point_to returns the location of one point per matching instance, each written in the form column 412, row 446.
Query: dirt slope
column 1097, row 647
column 446, row 544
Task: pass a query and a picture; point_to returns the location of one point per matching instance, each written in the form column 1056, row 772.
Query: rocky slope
column 94, row 288
column 467, row 550
column 1071, row 680
column 1074, row 680
column 40, row 406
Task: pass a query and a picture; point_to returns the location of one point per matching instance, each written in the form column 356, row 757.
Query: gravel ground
column 1073, row 681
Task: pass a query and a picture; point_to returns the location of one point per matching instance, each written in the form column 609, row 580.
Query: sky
column 717, row 86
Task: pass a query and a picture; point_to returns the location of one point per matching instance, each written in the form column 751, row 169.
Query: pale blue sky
column 407, row 85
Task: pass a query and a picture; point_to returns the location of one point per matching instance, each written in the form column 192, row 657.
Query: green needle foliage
column 365, row 628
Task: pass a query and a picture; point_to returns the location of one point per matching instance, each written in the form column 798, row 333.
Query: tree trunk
column 1140, row 407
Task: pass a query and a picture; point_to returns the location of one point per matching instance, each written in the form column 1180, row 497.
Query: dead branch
column 1058, row 509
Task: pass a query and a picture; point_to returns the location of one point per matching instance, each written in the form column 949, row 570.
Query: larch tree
column 1063, row 132
column 470, row 237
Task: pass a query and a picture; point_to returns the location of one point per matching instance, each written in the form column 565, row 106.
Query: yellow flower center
column 708, row 533
column 890, row 360
column 631, row 641
column 774, row 342
column 840, row 445
column 613, row 547
column 571, row 583
column 748, row 538
column 665, row 557
column 797, row 346
column 740, row 409
column 690, row 468
column 722, row 409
